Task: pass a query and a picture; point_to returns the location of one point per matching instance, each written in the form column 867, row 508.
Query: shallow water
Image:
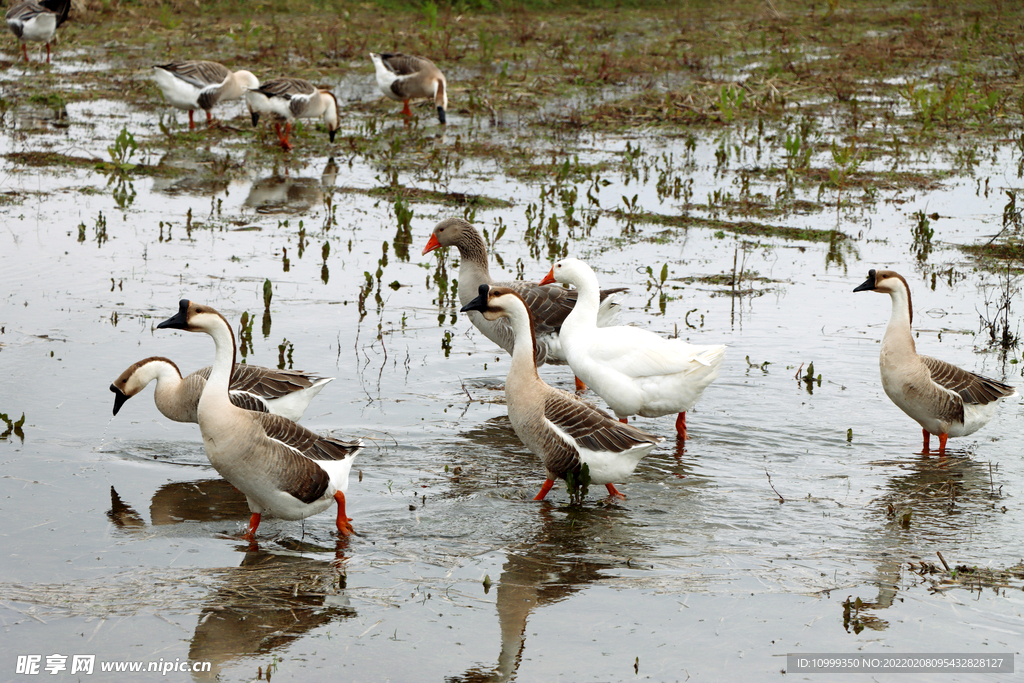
column 122, row 542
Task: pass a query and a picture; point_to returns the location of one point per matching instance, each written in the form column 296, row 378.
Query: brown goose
column 197, row 84
column 37, row 21
column 404, row 77
column 564, row 431
column 942, row 398
column 549, row 305
column 287, row 99
column 282, row 468
column 283, row 392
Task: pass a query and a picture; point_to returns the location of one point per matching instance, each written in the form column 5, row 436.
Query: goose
column 942, row 398
column 37, row 21
column 195, row 85
column 635, row 371
column 283, row 392
column 287, row 99
column 282, row 468
column 548, row 305
column 563, row 430
column 404, row 77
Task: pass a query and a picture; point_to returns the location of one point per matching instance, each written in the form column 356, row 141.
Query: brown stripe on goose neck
column 151, row 359
column 910, row 305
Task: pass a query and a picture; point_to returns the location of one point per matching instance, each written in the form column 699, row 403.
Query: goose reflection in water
column 555, row 564
column 277, row 194
column 264, row 604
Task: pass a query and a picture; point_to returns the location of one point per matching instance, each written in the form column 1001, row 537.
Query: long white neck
column 223, row 362
column 588, row 300
column 898, row 336
column 168, row 391
column 524, row 363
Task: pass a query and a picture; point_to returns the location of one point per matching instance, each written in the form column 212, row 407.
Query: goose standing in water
column 287, row 99
column 283, row 392
column 283, row 469
column 195, row 85
column 564, row 431
column 404, row 77
column 942, row 398
column 635, row 371
column 549, row 305
column 37, row 21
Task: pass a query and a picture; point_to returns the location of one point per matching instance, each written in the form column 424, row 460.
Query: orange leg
column 681, row 425
column 209, row 117
column 942, row 445
column 284, row 141
column 927, row 441
column 580, row 385
column 191, row 121
column 254, row 522
column 406, row 111
column 47, row 53
column 548, row 483
column 624, row 420
column 614, row 492
column 344, row 527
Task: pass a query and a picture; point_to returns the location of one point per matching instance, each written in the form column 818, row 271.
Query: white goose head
column 570, row 271
column 136, row 378
column 887, row 282
column 194, row 317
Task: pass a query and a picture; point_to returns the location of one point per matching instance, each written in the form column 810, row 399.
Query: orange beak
column 432, row 244
column 549, row 278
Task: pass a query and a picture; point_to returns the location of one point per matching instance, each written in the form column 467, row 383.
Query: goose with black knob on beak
column 283, row 469
column 265, row 390
column 37, row 21
column 287, row 99
column 942, row 398
column 635, row 371
column 549, row 304
column 404, row 77
column 564, row 431
column 199, row 84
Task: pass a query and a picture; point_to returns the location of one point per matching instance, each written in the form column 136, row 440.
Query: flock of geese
column 248, row 414
column 201, row 85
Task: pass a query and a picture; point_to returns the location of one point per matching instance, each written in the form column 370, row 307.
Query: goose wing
column 403, row 65
column 640, row 353
column 198, row 73
column 287, row 88
column 549, row 304
column 586, row 427
column 293, row 450
column 971, row 388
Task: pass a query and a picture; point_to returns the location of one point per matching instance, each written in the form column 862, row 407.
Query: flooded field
column 799, row 518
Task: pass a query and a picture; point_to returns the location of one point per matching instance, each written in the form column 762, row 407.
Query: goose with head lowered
column 549, row 304
column 266, row 390
column 198, row 84
column 287, row 99
column 404, row 78
column 635, row 371
column 942, row 398
column 563, row 430
column 283, row 469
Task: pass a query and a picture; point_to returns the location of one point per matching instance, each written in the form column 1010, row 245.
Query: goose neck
column 224, row 357
column 524, row 355
column 473, row 270
column 898, row 334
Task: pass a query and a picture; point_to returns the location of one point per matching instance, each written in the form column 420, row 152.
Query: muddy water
column 121, row 541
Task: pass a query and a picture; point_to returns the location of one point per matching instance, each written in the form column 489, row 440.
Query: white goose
column 37, row 21
column 287, row 99
column 282, row 468
column 404, row 77
column 564, row 431
column 195, row 85
column 635, row 371
column 942, row 398
column 549, row 305
column 265, row 390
